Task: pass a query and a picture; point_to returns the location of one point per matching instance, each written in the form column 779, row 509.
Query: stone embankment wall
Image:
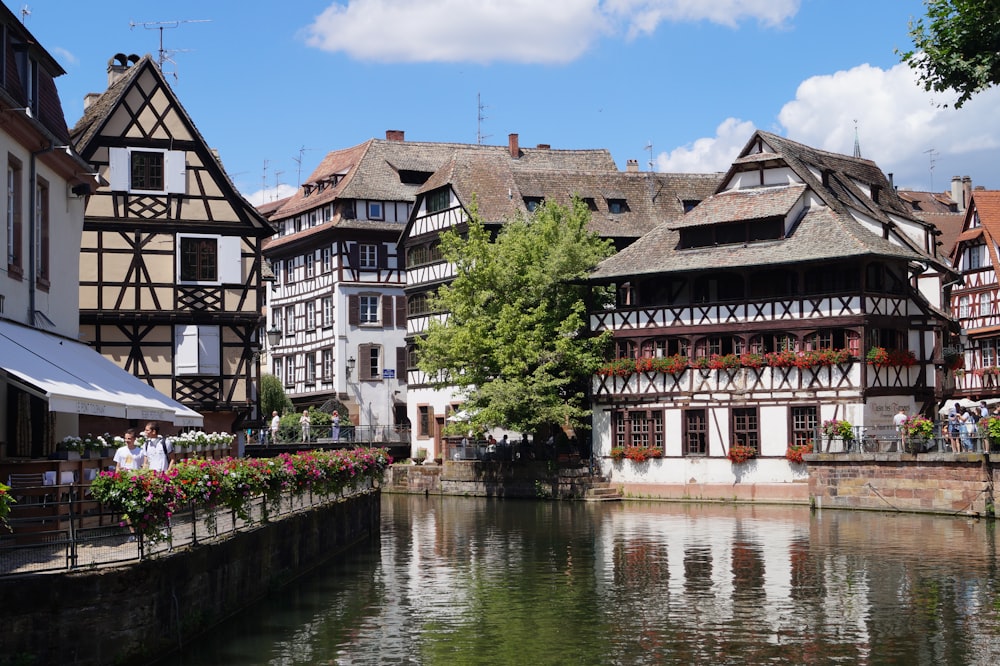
column 475, row 478
column 926, row 483
column 142, row 612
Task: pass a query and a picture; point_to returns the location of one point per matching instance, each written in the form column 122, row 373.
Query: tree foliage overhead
column 514, row 342
column 957, row 47
column 272, row 397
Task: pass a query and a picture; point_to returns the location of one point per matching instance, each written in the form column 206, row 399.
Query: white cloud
column 898, row 122
column 708, row 154
column 65, row 56
column 270, row 194
column 520, row 31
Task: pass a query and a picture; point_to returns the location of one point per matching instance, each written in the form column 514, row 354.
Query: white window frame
column 988, row 350
column 985, row 304
column 311, row 368
column 327, row 368
column 197, row 350
column 230, row 261
column 174, row 170
column 327, row 259
column 367, row 303
column 963, row 307
column 327, row 309
column 368, row 255
column 376, row 211
column 311, row 316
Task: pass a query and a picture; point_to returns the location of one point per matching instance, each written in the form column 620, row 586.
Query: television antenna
column 649, row 147
column 298, row 161
column 480, row 107
column 932, row 158
column 163, row 55
column 25, row 13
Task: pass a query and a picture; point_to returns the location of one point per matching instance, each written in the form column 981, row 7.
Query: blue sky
column 273, row 86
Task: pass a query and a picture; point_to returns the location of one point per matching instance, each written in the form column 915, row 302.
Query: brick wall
column 931, row 483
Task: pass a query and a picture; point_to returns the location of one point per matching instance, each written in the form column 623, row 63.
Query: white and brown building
column 170, row 279
column 799, row 251
column 505, row 182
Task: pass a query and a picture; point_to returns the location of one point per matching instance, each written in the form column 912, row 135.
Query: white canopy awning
column 74, row 378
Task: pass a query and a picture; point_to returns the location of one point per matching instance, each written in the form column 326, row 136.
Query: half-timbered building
column 170, row 267
column 974, row 299
column 49, row 381
column 748, row 321
column 504, row 184
column 338, row 297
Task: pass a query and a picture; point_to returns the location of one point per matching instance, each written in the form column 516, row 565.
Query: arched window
column 773, row 342
column 625, row 349
column 719, row 344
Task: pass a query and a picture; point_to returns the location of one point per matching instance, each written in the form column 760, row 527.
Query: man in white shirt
column 899, row 420
column 275, row 424
column 129, row 456
column 158, row 451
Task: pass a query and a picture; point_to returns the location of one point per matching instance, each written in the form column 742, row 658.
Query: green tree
column 272, row 397
column 957, row 47
column 514, row 342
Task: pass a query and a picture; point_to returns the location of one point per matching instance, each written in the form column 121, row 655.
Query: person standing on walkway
column 275, row 424
column 305, row 423
column 335, row 426
column 129, row 456
column 158, row 451
column 899, row 420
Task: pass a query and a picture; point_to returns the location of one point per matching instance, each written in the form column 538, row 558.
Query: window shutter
column 354, row 256
column 401, row 364
column 186, row 350
column 118, row 168
column 353, row 310
column 381, row 256
column 364, row 362
column 174, row 171
column 209, row 351
column 401, row 311
column 230, row 261
column 387, row 311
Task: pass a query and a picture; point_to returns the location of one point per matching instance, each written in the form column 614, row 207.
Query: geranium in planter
column 723, row 361
column 617, row 452
column 642, row 453
column 673, row 365
column 781, row 359
column 838, row 428
column 917, row 431
column 739, row 453
column 752, row 360
column 795, row 452
column 880, row 357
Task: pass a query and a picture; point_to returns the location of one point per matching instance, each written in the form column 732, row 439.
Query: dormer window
column 532, row 203
column 616, row 206
column 307, row 189
column 375, row 210
column 732, row 233
column 591, row 203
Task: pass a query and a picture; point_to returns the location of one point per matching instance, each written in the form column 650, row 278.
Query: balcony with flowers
column 787, row 369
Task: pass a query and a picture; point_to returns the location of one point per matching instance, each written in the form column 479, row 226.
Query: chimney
column 632, row 166
column 966, row 192
column 515, row 151
column 118, row 65
column 89, row 99
column 956, row 191
column 544, row 146
column 394, row 135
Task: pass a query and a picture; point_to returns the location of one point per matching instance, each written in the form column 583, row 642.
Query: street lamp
column 350, row 366
column 273, row 336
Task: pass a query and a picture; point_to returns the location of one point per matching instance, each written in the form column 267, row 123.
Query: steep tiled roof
column 371, row 170
column 824, row 232
column 950, row 226
column 500, row 186
column 98, row 110
column 928, row 202
column 754, row 204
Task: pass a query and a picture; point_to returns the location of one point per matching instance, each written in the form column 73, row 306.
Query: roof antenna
column 932, row 156
column 163, row 54
column 25, row 13
column 649, row 147
column 857, row 142
column 479, row 120
column 298, row 161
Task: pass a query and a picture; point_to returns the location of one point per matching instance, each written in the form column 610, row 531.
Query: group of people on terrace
column 156, row 451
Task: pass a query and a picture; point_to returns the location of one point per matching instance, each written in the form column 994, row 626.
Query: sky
column 679, row 85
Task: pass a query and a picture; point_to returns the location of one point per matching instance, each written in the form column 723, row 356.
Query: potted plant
column 421, row 456
column 917, row 431
column 834, row 428
column 617, row 452
column 990, row 429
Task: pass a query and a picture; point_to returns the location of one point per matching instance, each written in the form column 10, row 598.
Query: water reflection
column 482, row 581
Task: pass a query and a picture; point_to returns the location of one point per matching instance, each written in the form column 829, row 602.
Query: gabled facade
column 171, row 262
column 504, row 184
column 976, row 258
column 748, row 320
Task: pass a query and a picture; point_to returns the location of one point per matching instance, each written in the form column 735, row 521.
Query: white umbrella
column 963, row 402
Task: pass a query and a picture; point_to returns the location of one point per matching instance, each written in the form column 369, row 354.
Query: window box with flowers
column 636, row 454
column 740, row 453
column 752, row 360
column 622, row 367
column 780, row 359
column 880, row 357
column 723, row 361
column 795, row 452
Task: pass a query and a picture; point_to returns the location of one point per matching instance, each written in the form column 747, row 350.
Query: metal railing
column 65, row 530
column 885, row 439
column 346, row 435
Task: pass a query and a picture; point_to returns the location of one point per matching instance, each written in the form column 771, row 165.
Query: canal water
column 455, row 581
